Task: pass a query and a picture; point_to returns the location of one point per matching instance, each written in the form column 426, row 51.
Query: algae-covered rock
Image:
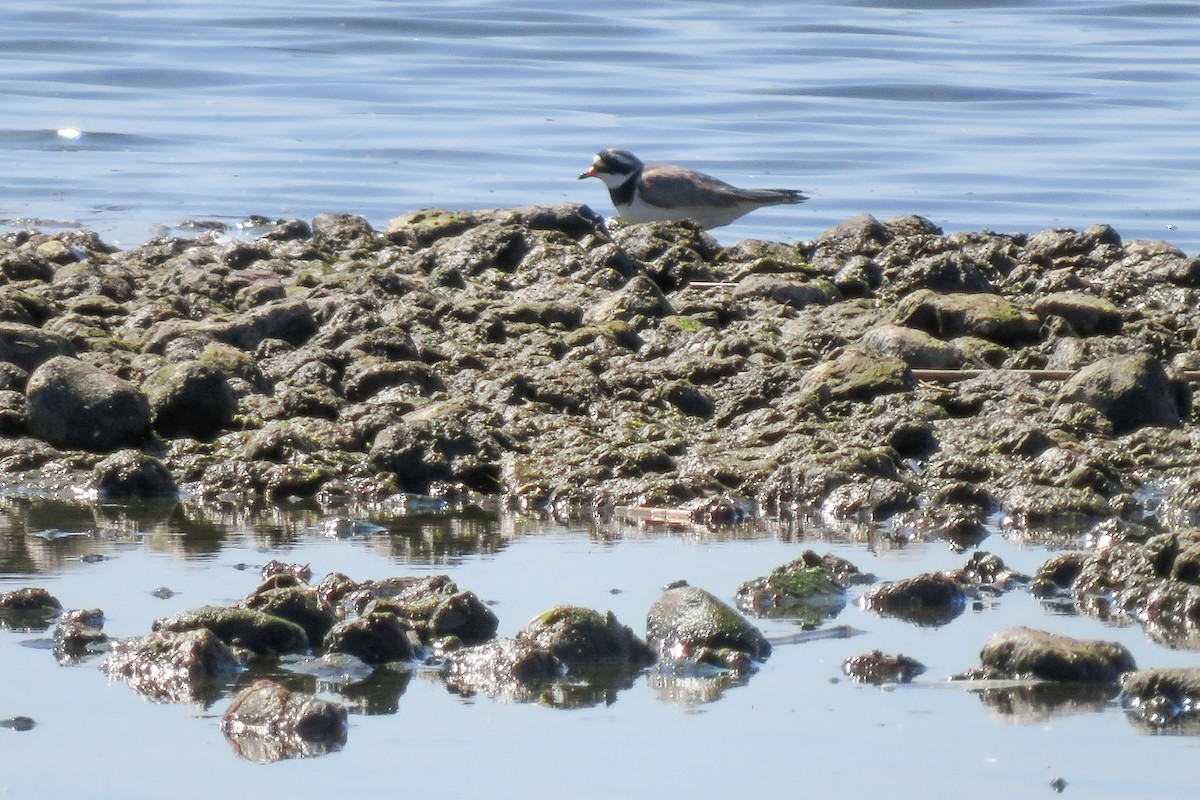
column 180, row 666
column 254, row 630
column 1023, row 653
column 803, row 588
column 581, row 637
column 686, row 620
column 266, row 722
column 297, row 604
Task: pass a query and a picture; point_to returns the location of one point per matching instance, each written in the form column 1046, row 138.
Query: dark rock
column 180, row 666
column 638, row 298
column 190, row 399
column 266, row 722
column 686, row 620
column 1087, row 315
column 878, row 668
column 932, row 598
column 74, row 405
column 256, row 631
column 28, row 347
column 1027, row 654
column 581, row 638
column 29, row 609
column 377, row 638
column 1131, row 391
column 129, row 474
column 20, row 723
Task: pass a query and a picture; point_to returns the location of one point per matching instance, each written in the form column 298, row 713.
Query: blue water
column 130, row 117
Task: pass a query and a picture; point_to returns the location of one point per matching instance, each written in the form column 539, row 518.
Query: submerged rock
column 688, row 623
column 266, row 722
column 878, row 667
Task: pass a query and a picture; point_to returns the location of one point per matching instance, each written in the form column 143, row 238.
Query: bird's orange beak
column 591, row 173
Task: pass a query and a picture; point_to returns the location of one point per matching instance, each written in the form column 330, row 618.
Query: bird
column 664, row 192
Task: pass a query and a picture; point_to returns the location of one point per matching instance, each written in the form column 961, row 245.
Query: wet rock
column 1057, row 574
column 640, row 298
column 1163, row 699
column 79, row 635
column 190, row 399
column 266, row 722
column 129, row 474
column 932, row 598
column 256, row 631
column 29, row 609
column 878, row 668
column 503, row 669
column 376, row 637
column 804, row 588
column 179, row 666
column 988, row 316
column 1027, row 654
column 74, row 405
column 1131, row 391
column 689, row 623
column 582, row 638
column 29, row 347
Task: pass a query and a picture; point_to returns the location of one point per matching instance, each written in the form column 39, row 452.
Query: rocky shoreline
column 537, row 356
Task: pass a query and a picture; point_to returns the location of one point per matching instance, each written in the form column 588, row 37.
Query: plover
column 664, row 192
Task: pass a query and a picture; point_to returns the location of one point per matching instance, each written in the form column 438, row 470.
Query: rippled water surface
column 126, row 116
column 795, row 727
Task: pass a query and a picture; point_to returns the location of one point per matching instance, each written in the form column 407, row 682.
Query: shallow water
column 125, row 117
column 795, row 725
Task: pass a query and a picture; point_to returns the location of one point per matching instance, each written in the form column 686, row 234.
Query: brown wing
column 687, row 187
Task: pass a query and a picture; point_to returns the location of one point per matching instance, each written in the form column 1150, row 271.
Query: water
column 795, row 723
column 126, row 117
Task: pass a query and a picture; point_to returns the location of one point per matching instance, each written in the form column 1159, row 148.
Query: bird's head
column 613, row 166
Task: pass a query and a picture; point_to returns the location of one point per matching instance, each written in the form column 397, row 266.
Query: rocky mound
column 536, row 355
